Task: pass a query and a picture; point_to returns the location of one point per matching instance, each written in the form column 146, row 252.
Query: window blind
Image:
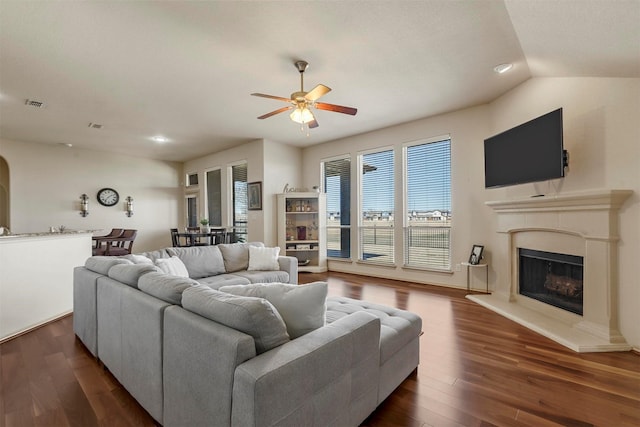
column 337, row 186
column 428, row 205
column 377, row 207
column 239, row 183
column 214, row 197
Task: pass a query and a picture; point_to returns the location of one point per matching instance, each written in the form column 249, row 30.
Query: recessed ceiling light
column 95, row 125
column 160, row 139
column 502, row 68
column 65, row 144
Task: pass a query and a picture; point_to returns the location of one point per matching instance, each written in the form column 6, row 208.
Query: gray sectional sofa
column 193, row 355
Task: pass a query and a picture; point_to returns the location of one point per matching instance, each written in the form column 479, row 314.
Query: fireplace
column 551, row 278
column 583, row 314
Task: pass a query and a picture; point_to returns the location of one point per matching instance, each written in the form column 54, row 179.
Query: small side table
column 486, row 269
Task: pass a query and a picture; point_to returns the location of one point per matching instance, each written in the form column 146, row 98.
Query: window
column 192, row 179
column 427, row 229
column 239, row 194
column 376, row 207
column 191, row 206
column 337, row 185
column 214, row 197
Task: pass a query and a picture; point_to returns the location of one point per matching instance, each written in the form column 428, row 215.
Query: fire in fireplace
column 551, row 278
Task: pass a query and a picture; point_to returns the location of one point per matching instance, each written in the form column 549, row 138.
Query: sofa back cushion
column 302, row 307
column 165, row 287
column 201, row 261
column 102, row 264
column 130, row 273
column 236, row 255
column 253, row 316
column 154, row 255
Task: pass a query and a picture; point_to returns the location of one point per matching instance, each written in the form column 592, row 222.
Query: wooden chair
column 115, row 232
column 116, row 246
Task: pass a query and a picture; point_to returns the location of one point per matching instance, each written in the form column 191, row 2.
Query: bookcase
column 301, row 229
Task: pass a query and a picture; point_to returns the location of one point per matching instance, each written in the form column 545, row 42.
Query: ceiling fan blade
column 313, row 124
column 336, row 108
column 279, row 98
column 317, row 92
column 278, row 111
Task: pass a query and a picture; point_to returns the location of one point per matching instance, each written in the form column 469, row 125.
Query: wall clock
column 108, row 197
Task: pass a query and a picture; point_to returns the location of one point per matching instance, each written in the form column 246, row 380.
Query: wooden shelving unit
column 301, row 229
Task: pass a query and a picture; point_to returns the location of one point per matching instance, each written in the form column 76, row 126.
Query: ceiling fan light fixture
column 301, row 115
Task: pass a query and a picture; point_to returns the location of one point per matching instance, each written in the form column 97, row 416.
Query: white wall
column 602, row 133
column 46, row 182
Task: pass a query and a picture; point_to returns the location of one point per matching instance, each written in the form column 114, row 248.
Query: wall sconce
column 84, row 205
column 129, row 206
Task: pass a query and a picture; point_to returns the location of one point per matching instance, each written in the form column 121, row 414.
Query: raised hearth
column 581, row 224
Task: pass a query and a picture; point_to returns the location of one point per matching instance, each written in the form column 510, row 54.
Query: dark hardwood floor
column 476, row 369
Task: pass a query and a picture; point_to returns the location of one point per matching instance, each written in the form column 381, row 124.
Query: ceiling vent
column 95, row 125
column 34, row 103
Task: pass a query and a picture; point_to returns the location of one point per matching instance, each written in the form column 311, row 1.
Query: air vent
column 95, row 125
column 34, row 103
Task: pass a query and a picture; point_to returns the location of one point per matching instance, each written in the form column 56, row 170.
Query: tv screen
column 530, row 152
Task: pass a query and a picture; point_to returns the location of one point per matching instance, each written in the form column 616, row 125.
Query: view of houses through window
column 425, row 217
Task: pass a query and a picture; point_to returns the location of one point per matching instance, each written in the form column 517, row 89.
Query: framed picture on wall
column 476, row 254
column 254, row 193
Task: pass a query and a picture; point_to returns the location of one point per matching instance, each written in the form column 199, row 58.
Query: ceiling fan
column 302, row 101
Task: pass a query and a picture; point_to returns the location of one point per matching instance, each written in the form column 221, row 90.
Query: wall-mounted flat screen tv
column 530, row 152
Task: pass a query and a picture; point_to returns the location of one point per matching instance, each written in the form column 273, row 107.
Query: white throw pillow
column 302, row 307
column 173, row 266
column 264, row 259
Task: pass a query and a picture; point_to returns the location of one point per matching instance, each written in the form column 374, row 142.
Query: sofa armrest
column 290, row 265
column 326, row 377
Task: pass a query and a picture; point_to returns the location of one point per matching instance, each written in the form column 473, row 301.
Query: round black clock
column 108, row 197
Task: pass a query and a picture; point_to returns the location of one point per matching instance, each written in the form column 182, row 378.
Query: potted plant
column 205, row 226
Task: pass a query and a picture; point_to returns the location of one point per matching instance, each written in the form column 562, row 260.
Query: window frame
column 341, row 227
column 406, row 209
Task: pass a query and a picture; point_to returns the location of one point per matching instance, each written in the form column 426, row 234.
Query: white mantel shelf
column 582, row 200
column 583, row 223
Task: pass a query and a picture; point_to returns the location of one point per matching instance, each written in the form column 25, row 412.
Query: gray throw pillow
column 302, row 307
column 236, row 255
column 130, row 273
column 102, row 264
column 253, row 316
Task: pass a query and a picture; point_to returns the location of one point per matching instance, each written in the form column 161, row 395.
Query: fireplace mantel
column 580, row 223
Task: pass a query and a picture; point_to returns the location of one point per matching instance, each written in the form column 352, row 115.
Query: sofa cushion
column 215, row 282
column 263, row 259
column 264, row 276
column 398, row 327
column 165, row 287
column 302, row 307
column 138, row 259
column 173, row 266
column 102, row 264
column 201, row 261
column 236, row 255
column 253, row 316
column 129, row 274
column 154, row 255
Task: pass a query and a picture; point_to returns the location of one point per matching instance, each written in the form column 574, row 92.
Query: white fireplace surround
column 583, row 224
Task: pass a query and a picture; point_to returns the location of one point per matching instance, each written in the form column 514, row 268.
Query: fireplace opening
column 552, row 278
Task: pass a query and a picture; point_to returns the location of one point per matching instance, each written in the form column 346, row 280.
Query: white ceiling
column 185, row 69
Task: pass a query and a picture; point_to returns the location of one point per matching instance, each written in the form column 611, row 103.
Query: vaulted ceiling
column 184, row 70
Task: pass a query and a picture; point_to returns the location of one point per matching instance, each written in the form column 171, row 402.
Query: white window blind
column 428, row 205
column 337, row 186
column 214, row 197
column 376, row 241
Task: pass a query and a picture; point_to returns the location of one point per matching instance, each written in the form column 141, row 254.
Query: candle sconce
column 129, row 206
column 84, row 205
